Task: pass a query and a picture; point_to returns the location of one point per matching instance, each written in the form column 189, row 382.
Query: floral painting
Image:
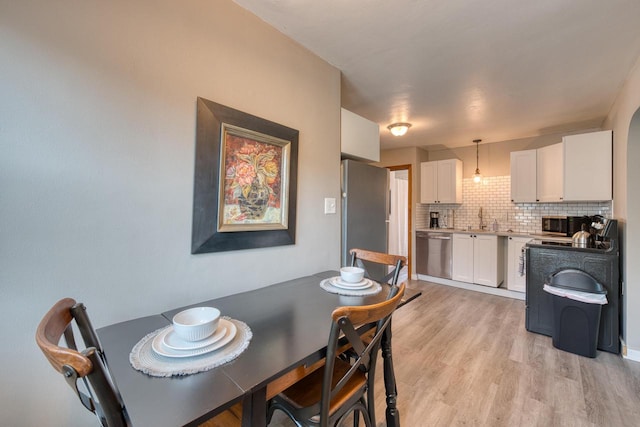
column 254, row 181
column 245, row 181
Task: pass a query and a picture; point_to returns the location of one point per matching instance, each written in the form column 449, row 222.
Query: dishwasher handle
column 435, row 236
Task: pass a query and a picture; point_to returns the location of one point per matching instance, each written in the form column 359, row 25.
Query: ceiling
column 462, row 69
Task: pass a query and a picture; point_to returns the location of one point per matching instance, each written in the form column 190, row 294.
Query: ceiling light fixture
column 399, row 129
column 477, row 177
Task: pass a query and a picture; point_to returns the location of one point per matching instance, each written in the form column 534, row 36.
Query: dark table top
column 290, row 324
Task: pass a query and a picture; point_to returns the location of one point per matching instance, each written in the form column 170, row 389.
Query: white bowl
column 352, row 274
column 196, row 323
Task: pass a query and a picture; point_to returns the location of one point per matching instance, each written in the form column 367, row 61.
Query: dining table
column 290, row 324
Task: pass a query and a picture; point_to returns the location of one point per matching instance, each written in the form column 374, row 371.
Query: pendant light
column 477, row 177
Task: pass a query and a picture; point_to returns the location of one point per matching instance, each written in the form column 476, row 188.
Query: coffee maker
column 434, row 221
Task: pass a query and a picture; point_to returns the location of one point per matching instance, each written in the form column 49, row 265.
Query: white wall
column 97, row 137
column 626, row 156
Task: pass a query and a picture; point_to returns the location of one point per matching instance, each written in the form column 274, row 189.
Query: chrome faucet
column 481, row 225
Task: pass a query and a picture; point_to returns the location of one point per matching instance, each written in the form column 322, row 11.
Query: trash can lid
column 576, row 280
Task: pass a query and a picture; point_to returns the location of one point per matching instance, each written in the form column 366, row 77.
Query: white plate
column 338, row 280
column 339, row 283
column 160, row 348
column 171, row 339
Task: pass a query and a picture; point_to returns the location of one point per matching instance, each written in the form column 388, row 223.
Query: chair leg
column 392, row 414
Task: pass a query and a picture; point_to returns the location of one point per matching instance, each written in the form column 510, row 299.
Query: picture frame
column 245, row 181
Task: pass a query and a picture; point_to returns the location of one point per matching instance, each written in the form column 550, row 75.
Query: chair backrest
column 364, row 258
column 100, row 394
column 345, row 322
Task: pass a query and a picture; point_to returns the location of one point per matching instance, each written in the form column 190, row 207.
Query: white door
column 398, row 213
column 587, row 166
column 485, row 260
column 517, row 278
column 462, row 257
column 549, row 176
column 523, row 176
column 428, row 182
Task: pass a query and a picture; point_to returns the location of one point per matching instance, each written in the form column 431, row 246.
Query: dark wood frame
column 205, row 235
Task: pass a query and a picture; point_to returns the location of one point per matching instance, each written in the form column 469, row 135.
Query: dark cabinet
column 542, row 261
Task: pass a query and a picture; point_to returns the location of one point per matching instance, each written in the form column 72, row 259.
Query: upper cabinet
column 441, row 181
column 549, row 180
column 588, row 166
column 359, row 137
column 577, row 170
column 523, row 176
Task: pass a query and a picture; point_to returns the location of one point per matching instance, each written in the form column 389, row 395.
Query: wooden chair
column 396, row 265
column 99, row 393
column 329, row 395
column 369, row 260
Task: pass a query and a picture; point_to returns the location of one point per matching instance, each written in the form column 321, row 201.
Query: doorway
column 399, row 236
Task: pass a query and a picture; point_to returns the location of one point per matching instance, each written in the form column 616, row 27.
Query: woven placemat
column 143, row 358
column 329, row 287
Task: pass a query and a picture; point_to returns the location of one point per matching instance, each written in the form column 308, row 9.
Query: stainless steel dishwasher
column 433, row 253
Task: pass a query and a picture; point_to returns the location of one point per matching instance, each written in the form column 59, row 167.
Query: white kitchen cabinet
column 441, row 181
column 429, row 182
column 462, row 258
column 588, row 166
column 487, row 266
column 477, row 259
column 359, row 137
column 515, row 280
column 523, row 176
column 549, row 176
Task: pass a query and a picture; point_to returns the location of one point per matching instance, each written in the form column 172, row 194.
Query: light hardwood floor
column 464, row 358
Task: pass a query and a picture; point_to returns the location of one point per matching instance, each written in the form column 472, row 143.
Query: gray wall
column 97, row 132
column 624, row 119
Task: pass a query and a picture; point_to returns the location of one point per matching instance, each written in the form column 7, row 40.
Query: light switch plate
column 329, row 205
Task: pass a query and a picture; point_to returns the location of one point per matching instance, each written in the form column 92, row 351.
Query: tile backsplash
column 493, row 195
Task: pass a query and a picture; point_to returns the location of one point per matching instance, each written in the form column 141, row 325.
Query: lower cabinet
column 477, row 258
column 462, row 258
column 516, row 271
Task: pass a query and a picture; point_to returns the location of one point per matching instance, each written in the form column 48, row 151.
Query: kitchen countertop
column 497, row 233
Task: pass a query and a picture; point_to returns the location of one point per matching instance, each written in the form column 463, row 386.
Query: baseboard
column 472, row 287
column 629, row 353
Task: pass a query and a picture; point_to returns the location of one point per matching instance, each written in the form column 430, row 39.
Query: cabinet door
column 549, row 176
column 523, row 176
column 516, row 281
column 485, row 260
column 359, row 137
column 462, row 254
column 428, row 182
column 450, row 181
column 588, row 166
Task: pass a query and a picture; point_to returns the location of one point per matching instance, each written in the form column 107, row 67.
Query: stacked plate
column 338, row 282
column 167, row 343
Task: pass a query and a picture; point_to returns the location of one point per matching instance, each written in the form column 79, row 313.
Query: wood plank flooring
column 464, row 358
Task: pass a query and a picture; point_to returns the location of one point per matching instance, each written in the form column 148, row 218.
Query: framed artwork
column 245, row 181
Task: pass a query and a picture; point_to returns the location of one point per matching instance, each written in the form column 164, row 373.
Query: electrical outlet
column 329, row 205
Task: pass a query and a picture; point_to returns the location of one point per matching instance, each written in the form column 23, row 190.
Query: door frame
column 409, row 170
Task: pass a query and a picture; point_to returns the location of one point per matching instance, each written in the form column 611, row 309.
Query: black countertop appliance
column 601, row 261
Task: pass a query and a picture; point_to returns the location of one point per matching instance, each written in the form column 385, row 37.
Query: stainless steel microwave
column 554, row 224
column 564, row 225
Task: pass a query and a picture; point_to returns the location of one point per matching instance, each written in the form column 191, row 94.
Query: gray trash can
column 577, row 305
